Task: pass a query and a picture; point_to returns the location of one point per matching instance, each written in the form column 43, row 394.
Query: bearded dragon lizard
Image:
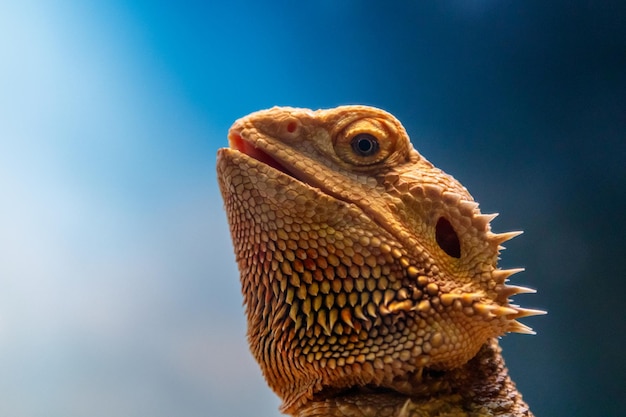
column 369, row 276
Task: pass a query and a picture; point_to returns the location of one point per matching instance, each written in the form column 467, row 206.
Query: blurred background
column 119, row 294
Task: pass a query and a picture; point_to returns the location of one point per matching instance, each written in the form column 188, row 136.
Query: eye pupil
column 365, row 144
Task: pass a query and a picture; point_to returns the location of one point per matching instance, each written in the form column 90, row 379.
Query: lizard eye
column 365, row 144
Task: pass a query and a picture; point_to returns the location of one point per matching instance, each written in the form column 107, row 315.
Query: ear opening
column 447, row 238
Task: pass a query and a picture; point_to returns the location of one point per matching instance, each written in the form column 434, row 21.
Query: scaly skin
column 369, row 276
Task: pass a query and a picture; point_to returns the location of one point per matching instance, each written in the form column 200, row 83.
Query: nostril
column 292, row 126
column 447, row 239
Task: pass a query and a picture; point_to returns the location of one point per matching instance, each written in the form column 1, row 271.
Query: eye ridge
column 365, row 144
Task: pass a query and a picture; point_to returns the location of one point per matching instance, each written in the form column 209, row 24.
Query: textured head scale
column 361, row 263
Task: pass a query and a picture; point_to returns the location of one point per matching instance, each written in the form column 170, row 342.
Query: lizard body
column 369, row 276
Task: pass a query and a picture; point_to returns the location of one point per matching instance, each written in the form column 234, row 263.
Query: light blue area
column 119, row 289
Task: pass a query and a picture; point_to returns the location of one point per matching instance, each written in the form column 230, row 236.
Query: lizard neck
column 481, row 387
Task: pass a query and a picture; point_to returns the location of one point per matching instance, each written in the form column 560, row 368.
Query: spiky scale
column 503, row 311
column 482, row 220
column 448, row 299
column 322, row 320
column 346, row 316
column 503, row 274
column 517, row 327
column 358, row 313
column 468, row 205
column 528, row 312
column 500, row 238
column 333, row 316
column 506, row 291
column 389, row 295
column 468, row 298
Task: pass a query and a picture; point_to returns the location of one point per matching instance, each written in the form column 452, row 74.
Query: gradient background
column 119, row 294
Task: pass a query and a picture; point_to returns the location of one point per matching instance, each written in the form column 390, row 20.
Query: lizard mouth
column 237, row 142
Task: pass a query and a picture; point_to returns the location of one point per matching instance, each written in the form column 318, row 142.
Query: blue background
column 119, row 294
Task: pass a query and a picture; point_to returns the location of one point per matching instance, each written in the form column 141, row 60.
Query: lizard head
column 361, row 263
